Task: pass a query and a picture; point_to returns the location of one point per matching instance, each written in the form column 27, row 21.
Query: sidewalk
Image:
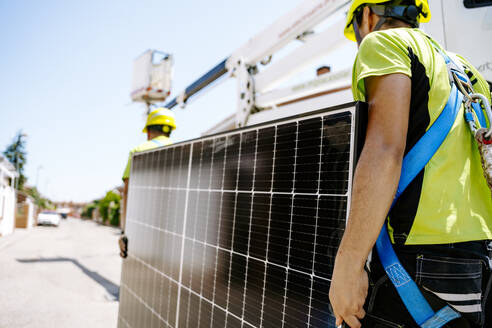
column 60, row 277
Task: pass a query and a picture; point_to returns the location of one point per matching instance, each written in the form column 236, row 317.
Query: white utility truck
column 461, row 26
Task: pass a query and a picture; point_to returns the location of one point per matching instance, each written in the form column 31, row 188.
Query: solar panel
column 240, row 229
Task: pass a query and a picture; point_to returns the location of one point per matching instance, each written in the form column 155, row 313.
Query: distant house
column 71, row 209
column 8, row 175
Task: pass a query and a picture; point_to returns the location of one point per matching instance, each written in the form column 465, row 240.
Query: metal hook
column 477, row 97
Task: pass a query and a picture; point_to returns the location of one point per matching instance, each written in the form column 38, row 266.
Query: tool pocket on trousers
column 372, row 321
column 456, row 281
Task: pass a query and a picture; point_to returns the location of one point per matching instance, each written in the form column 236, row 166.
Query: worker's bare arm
column 375, row 182
column 123, row 241
column 378, row 171
column 125, row 202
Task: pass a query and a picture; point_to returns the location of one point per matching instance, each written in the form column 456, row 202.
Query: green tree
column 17, row 155
column 109, row 208
column 39, row 200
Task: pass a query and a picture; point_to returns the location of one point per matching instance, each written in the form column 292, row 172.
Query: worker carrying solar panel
column 160, row 123
column 440, row 226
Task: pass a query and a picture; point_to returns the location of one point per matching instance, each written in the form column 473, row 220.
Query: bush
column 88, row 209
column 109, row 208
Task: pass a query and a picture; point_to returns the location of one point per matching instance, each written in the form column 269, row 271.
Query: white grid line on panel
column 147, row 173
column 149, row 266
column 161, row 288
column 193, row 253
column 233, row 224
column 180, row 235
column 208, row 301
column 290, row 225
column 125, row 322
column 246, row 191
column 316, row 219
column 216, row 262
column 168, row 310
column 183, row 236
column 173, row 244
column 314, row 259
column 310, row 303
column 218, row 230
column 211, row 164
column 194, row 228
column 144, row 303
column 231, row 252
column 194, row 234
column 139, row 284
column 204, row 258
column 162, row 274
column 155, row 228
column 206, row 223
column 181, row 286
column 250, row 220
column 169, row 289
column 153, row 218
column 268, row 230
column 320, row 155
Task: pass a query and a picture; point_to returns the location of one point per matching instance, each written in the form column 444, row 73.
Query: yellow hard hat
column 161, row 116
column 423, row 17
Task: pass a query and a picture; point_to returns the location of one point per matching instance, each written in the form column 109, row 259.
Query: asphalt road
column 60, row 277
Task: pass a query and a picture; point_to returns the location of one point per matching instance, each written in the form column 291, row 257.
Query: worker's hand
column 348, row 292
column 123, row 242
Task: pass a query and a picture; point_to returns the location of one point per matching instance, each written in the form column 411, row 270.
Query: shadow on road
column 111, row 288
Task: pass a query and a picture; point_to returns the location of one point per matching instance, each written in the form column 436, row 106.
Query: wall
column 7, row 210
column 25, row 214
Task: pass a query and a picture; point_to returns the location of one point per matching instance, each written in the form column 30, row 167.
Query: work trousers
column 458, row 275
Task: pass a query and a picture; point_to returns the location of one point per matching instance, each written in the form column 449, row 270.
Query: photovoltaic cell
column 240, row 229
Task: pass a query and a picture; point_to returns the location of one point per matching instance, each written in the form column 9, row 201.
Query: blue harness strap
column 413, row 163
column 479, row 112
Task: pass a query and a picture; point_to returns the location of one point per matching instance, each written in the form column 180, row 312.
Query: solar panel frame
column 266, row 198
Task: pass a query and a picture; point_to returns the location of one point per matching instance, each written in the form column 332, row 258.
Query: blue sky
column 66, row 72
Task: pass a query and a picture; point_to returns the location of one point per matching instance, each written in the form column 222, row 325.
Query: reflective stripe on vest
column 157, row 142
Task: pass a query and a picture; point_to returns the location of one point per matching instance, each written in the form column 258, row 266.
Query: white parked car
column 49, row 218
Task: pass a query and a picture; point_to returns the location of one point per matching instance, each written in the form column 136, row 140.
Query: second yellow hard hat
column 160, row 116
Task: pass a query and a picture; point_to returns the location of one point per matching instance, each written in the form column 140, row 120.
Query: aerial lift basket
column 152, row 74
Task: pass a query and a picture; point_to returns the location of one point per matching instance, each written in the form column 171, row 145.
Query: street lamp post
column 40, row 167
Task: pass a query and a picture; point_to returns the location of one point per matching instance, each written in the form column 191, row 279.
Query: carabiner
column 476, row 98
